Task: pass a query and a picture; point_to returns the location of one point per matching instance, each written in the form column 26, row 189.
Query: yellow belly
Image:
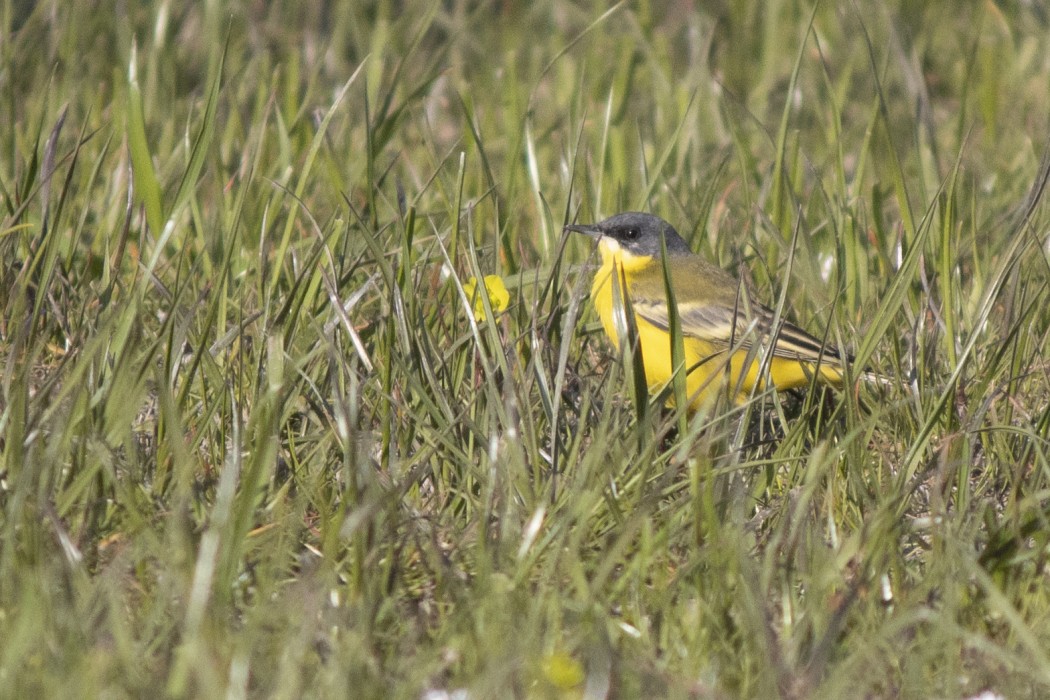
column 709, row 371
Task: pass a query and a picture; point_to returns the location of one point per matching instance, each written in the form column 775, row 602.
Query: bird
column 720, row 324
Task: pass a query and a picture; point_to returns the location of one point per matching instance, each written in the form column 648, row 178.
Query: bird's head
column 632, row 237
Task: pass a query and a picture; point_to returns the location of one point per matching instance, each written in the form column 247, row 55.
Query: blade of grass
column 147, row 187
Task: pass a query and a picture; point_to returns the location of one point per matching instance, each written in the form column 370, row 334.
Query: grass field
column 257, row 439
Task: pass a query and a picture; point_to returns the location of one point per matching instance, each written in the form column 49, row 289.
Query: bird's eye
column 630, row 234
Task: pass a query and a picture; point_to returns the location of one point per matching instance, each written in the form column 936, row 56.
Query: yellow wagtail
column 720, row 324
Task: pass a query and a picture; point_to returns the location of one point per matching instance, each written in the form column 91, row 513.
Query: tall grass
column 258, row 438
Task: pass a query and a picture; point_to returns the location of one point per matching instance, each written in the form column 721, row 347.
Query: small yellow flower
column 562, row 671
column 497, row 293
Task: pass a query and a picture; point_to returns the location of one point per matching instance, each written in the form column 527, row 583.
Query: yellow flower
column 562, row 671
column 496, row 291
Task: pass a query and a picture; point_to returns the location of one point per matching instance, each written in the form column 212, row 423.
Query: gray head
column 636, row 232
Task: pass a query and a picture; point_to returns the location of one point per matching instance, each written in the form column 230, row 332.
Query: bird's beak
column 591, row 230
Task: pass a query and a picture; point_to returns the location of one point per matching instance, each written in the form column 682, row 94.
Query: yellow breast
column 707, row 369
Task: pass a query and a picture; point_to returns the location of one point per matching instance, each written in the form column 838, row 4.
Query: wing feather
column 721, row 325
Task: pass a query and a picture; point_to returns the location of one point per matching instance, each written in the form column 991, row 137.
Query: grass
column 255, row 441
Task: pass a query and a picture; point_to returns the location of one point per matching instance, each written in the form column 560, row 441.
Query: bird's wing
column 723, row 325
column 727, row 318
column 793, row 342
column 713, row 323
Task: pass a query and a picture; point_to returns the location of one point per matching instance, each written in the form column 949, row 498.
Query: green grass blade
column 147, row 187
